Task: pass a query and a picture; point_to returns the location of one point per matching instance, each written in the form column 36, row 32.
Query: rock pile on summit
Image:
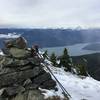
column 21, row 69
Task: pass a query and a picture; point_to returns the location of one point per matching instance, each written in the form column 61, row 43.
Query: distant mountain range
column 56, row 37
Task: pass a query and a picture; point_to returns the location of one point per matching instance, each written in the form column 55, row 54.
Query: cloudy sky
column 50, row 13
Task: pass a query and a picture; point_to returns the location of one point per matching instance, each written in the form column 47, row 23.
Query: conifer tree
column 45, row 54
column 65, row 60
column 81, row 70
column 53, row 59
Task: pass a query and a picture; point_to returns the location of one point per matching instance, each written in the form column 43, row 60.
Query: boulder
column 50, row 84
column 12, row 91
column 29, row 95
column 19, row 42
column 19, row 53
column 41, row 78
column 18, row 77
column 11, row 62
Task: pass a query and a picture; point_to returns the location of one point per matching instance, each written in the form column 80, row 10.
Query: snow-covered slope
column 9, row 35
column 79, row 88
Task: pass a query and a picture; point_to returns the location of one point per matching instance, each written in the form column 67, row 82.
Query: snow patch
column 79, row 88
column 10, row 35
column 1, row 53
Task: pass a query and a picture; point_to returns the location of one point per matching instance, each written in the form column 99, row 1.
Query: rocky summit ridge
column 21, row 72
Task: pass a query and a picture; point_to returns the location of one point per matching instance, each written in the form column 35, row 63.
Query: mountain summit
column 26, row 75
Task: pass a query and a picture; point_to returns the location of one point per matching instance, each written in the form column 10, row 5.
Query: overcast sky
column 50, row 13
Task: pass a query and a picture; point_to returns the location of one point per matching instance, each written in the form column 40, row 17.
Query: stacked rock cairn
column 21, row 69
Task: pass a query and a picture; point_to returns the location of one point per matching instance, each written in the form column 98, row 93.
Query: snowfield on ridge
column 79, row 88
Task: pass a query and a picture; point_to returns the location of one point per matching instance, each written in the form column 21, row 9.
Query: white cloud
column 50, row 13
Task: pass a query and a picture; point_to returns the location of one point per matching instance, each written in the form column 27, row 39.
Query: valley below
column 74, row 50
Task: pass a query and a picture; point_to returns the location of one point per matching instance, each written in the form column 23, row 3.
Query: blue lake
column 74, row 50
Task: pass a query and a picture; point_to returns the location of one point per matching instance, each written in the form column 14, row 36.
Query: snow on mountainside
column 79, row 88
column 9, row 35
